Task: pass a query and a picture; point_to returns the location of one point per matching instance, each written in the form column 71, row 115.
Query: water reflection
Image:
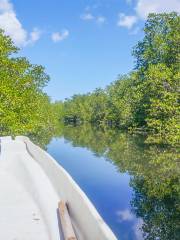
column 43, row 137
column 154, row 173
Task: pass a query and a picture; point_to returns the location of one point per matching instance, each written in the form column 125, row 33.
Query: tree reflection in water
column 154, row 172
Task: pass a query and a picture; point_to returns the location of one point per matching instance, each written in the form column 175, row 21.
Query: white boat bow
column 32, row 184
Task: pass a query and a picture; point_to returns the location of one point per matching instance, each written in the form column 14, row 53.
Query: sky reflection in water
column 107, row 188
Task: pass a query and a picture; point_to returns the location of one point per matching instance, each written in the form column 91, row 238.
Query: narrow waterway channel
column 115, row 169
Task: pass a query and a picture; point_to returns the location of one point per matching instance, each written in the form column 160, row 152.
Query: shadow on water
column 150, row 173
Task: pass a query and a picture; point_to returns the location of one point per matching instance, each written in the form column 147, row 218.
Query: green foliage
column 24, row 107
column 147, row 99
column 160, row 215
column 154, row 172
column 161, row 104
column 160, row 43
column 157, row 67
column 86, row 108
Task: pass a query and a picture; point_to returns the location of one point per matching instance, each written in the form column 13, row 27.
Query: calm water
column 114, row 169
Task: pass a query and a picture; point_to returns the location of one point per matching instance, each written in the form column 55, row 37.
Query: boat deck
column 20, row 217
column 24, row 209
column 34, row 190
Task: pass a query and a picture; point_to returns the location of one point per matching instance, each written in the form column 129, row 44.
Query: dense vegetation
column 24, row 107
column 154, row 172
column 147, row 98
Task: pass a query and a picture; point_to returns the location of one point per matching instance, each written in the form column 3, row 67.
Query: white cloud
column 126, row 21
column 125, row 215
column 10, row 24
column 129, row 1
column 144, row 7
column 134, row 31
column 57, row 37
column 87, row 17
column 100, row 19
column 13, row 27
column 35, row 35
column 5, row 5
column 137, row 229
column 91, row 7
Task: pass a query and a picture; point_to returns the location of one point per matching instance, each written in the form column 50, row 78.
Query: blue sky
column 83, row 44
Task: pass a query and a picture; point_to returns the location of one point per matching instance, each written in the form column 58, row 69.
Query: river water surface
column 113, row 169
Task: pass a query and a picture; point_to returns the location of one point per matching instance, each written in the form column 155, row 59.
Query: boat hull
column 46, row 183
